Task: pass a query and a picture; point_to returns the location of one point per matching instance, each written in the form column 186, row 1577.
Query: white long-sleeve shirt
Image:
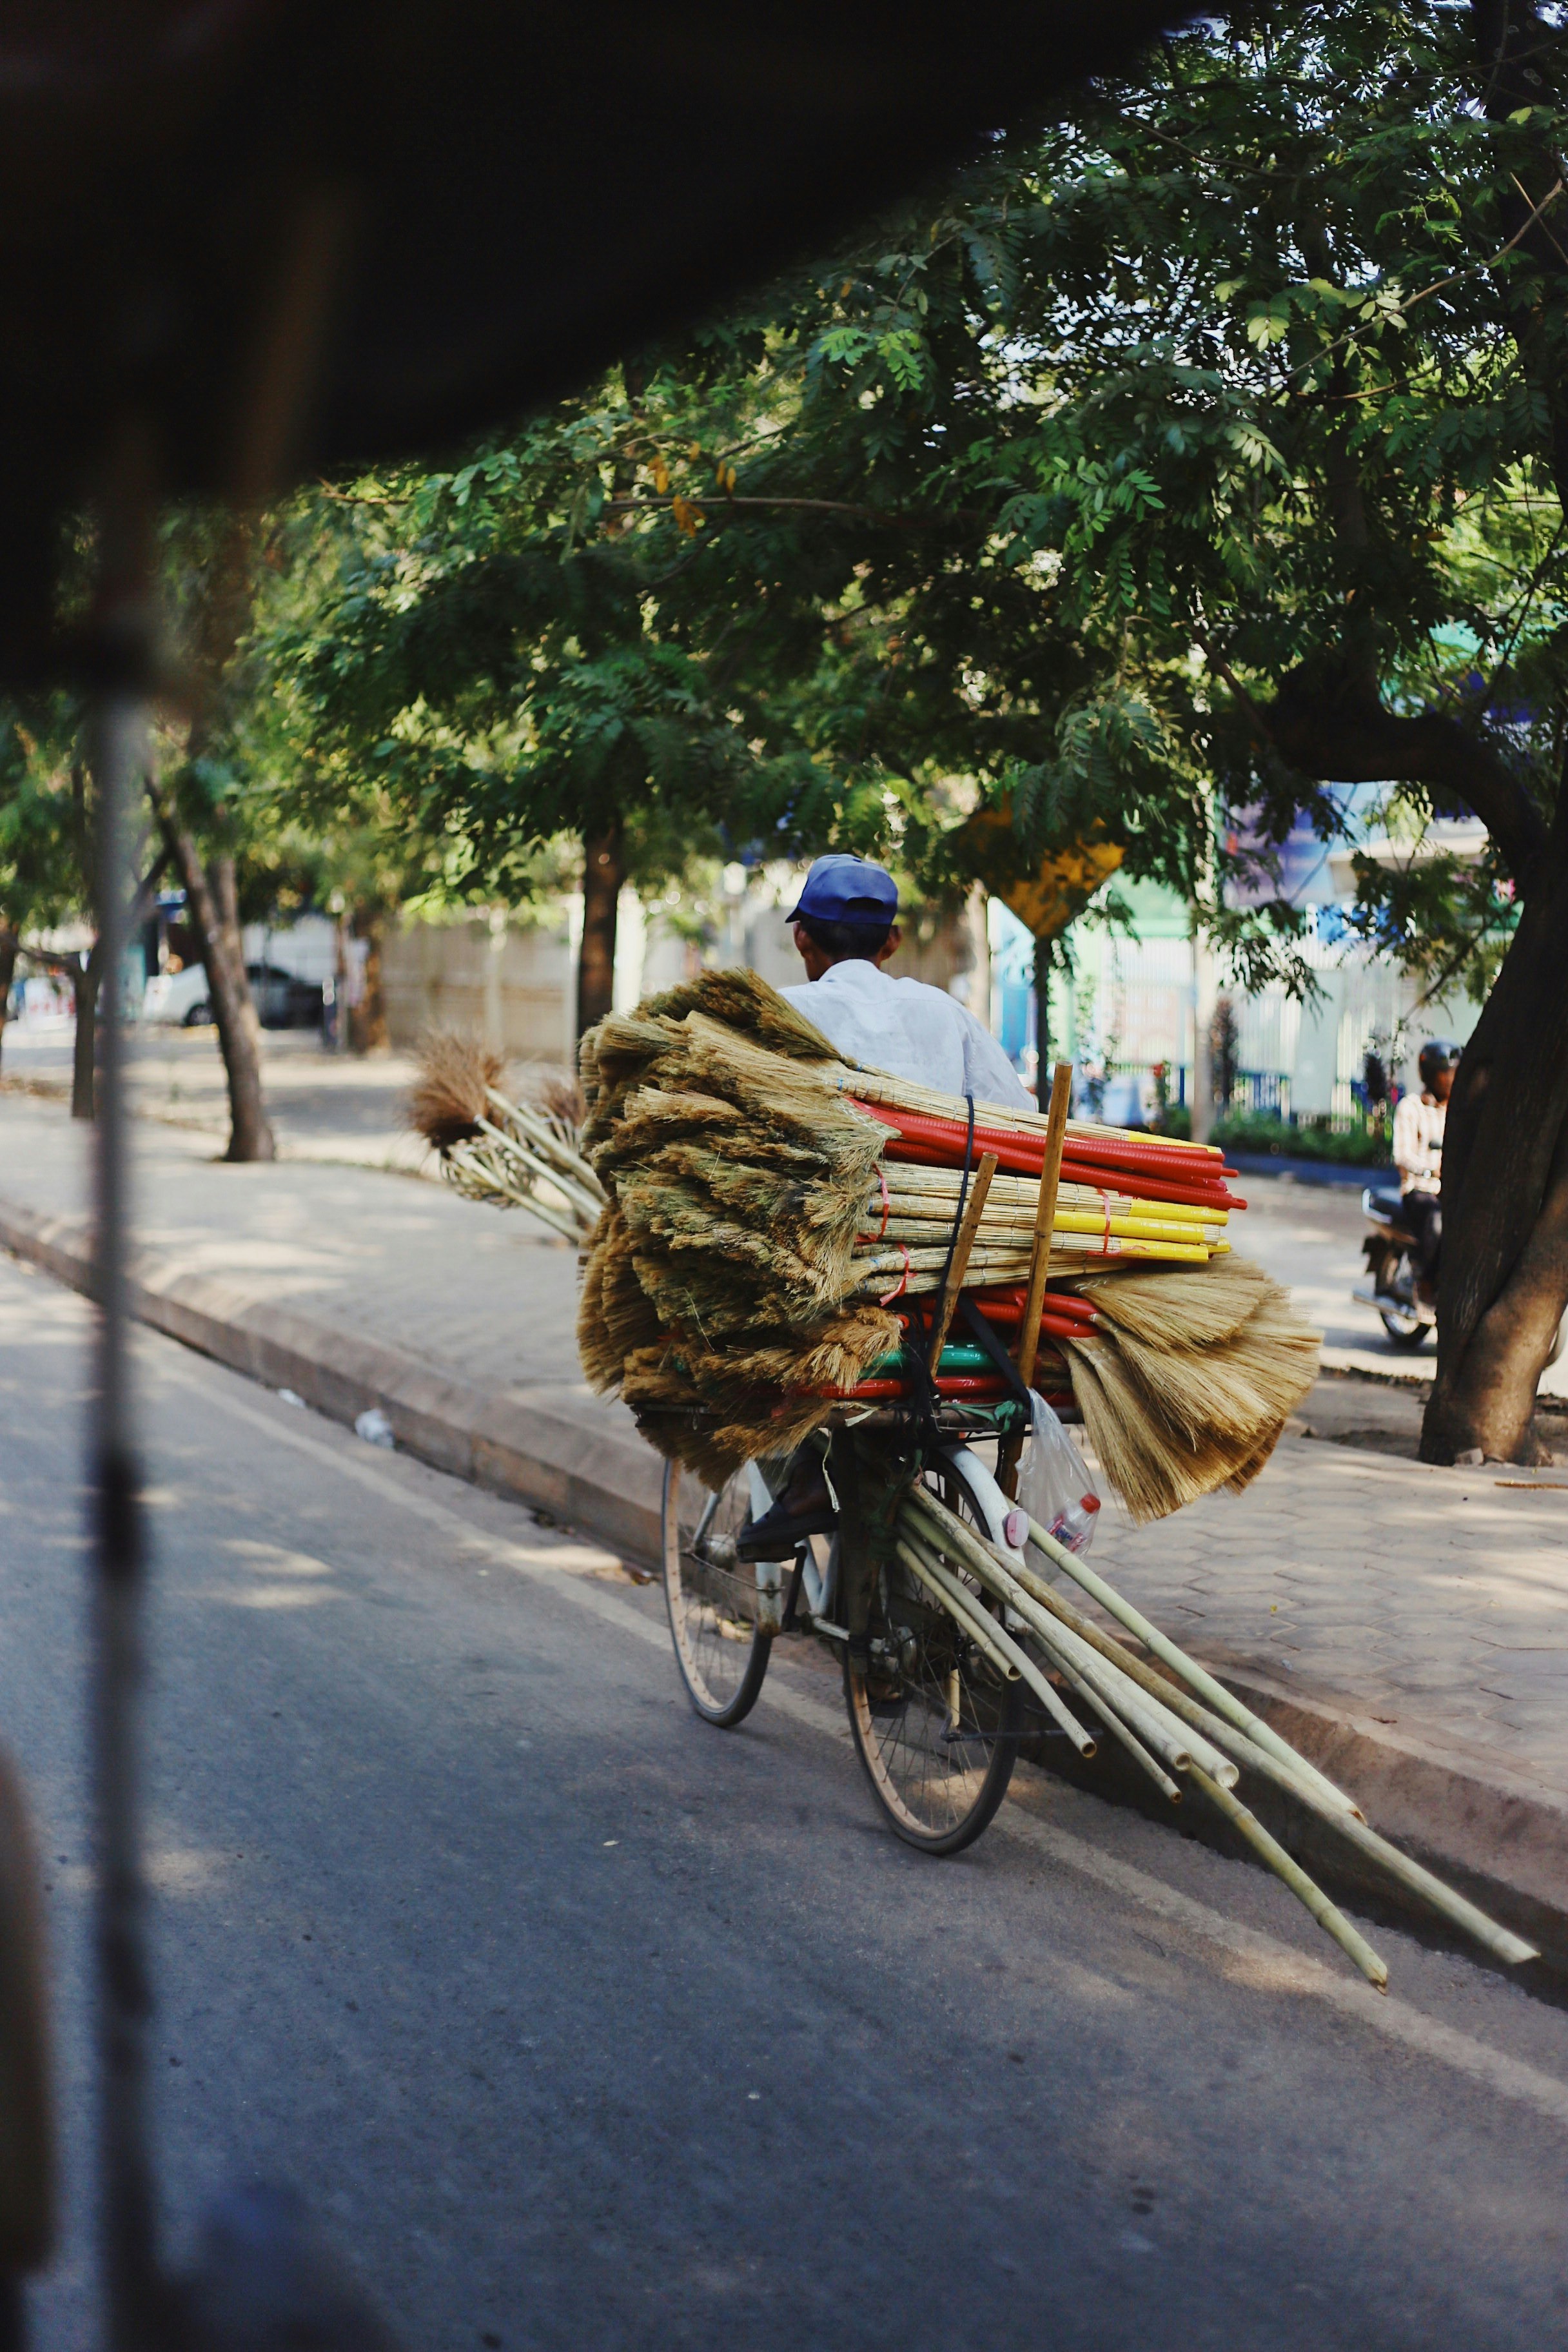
column 908, row 1029
column 1418, row 1125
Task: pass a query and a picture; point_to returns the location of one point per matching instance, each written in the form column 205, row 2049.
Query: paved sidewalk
column 1410, row 1626
column 326, row 1107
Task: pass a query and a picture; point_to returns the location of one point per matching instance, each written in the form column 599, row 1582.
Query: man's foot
column 779, row 1532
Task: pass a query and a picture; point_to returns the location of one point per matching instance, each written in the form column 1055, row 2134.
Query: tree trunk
column 1502, row 1284
column 367, row 1019
column 211, row 905
column 9, row 943
column 85, row 981
column 604, row 870
column 1203, row 1036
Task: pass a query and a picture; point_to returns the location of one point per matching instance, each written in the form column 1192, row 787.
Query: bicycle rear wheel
column 934, row 1724
column 712, row 1597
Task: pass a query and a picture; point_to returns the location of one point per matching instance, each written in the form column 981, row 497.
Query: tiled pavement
column 1432, row 1603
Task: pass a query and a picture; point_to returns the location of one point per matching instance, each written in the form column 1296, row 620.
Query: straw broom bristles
column 1152, row 1468
column 498, row 1151
column 449, row 1097
column 1170, row 1422
column 1181, row 1310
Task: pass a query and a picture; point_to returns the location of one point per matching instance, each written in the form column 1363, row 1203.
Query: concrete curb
column 1500, row 1837
column 517, row 1442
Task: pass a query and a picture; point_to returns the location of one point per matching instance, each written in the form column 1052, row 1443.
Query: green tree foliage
column 1208, row 449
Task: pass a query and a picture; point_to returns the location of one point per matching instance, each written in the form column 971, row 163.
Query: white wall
column 309, row 948
column 509, row 983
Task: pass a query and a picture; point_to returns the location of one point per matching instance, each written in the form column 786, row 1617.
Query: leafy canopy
column 1204, row 444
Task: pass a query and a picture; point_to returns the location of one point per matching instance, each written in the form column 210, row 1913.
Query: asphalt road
column 582, row 2025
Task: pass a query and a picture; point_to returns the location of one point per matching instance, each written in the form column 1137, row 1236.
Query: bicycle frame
column 819, row 1572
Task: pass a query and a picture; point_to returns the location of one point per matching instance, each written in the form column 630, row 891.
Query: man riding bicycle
column 845, row 927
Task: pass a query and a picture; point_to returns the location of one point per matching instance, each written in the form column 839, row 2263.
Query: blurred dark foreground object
column 267, row 2280
column 287, row 237
column 26, row 2140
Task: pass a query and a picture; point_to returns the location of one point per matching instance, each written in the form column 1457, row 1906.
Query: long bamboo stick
column 545, row 1141
column 1153, row 1723
column 1330, row 1808
column 1045, row 1218
column 953, row 1282
column 1180, row 1703
column 997, row 1644
column 1306, row 1890
column 1119, row 1729
column 462, row 1163
column 545, row 1169
column 1224, row 1703
column 974, row 1622
column 1293, row 1781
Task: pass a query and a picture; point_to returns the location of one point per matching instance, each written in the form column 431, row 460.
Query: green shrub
column 1358, row 1144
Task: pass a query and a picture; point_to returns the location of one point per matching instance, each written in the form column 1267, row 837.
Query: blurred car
column 283, row 1001
column 179, row 997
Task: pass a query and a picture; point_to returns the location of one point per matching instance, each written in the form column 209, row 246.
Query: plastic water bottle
column 1074, row 1528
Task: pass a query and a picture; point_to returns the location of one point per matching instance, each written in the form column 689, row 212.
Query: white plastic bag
column 1055, row 1485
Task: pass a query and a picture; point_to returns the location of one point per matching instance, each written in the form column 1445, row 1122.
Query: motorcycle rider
column 1419, row 1120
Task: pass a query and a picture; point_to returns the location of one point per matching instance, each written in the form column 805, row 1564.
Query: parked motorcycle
column 1390, row 1283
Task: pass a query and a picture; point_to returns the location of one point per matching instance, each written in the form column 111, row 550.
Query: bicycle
column 935, row 1720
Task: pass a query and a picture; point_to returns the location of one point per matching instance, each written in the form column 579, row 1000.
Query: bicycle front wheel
column 711, row 1596
column 934, row 1722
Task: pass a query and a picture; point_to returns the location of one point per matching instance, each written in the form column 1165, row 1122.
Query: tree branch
column 647, row 503
column 1352, row 739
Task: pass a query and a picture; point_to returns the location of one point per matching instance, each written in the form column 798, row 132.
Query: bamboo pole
column 998, row 1645
column 489, row 1185
column 1197, row 1677
column 1153, row 1723
column 1457, row 1908
column 567, row 1184
column 1045, row 1218
column 545, row 1141
column 960, row 1267
column 1181, row 1704
column 1306, row 1890
column 1113, row 1723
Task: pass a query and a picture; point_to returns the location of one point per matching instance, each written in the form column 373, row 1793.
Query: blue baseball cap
column 841, row 889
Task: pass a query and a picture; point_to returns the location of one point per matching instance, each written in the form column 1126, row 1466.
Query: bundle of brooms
column 780, row 1225
column 513, row 1155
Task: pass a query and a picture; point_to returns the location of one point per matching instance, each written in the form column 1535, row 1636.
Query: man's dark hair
column 843, row 940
